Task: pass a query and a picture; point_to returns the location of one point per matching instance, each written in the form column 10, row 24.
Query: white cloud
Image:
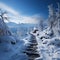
column 18, row 18
column 28, row 19
column 4, row 6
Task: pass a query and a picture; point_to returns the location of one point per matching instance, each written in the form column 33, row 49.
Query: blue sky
column 30, row 7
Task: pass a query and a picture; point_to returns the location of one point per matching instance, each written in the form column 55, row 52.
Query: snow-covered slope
column 48, row 45
column 9, row 46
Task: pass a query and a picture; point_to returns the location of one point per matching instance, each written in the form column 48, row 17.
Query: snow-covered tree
column 3, row 14
column 52, row 16
column 4, row 30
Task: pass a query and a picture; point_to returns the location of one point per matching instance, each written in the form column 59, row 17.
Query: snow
column 15, row 53
column 47, row 41
column 48, row 46
column 11, row 48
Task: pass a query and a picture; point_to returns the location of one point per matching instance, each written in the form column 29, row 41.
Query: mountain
column 12, row 24
column 22, row 29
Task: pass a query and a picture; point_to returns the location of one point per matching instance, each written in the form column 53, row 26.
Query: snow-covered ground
column 44, row 43
column 11, row 48
column 49, row 47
